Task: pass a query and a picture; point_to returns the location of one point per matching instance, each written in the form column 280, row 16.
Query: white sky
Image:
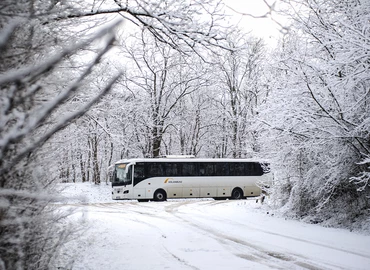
column 261, row 27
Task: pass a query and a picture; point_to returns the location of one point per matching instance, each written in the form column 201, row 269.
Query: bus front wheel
column 237, row 194
column 160, row 196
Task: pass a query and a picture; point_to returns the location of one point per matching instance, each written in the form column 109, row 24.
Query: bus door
column 139, row 190
column 128, row 189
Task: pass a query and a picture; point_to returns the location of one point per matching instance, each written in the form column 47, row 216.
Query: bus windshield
column 122, row 175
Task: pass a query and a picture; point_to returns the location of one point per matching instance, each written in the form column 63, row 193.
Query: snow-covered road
column 208, row 234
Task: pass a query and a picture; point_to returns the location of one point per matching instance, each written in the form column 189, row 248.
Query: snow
column 77, row 193
column 201, row 234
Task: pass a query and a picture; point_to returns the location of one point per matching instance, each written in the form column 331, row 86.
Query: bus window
column 202, row 169
column 123, row 175
column 222, row 169
column 237, row 169
column 172, row 169
column 250, row 169
column 208, row 169
column 259, row 169
column 138, row 173
column 253, row 169
column 188, row 169
column 154, row 169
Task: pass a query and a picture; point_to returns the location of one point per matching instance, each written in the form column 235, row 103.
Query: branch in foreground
column 63, row 123
column 167, row 26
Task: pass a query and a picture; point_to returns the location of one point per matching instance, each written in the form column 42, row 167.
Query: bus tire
column 160, row 195
column 237, row 194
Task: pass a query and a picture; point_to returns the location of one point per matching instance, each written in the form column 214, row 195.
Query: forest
column 85, row 83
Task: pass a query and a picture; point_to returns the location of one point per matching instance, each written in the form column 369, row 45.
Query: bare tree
column 241, row 77
column 163, row 78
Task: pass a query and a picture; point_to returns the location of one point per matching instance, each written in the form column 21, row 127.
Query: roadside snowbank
column 73, row 193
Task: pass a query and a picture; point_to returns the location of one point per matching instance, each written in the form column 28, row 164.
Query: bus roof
column 135, row 160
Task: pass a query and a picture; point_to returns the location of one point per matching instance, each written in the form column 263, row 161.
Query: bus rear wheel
column 237, row 194
column 160, row 196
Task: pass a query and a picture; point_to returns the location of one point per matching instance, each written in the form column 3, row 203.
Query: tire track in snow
column 295, row 238
column 240, row 248
column 262, row 256
column 256, row 253
column 138, row 208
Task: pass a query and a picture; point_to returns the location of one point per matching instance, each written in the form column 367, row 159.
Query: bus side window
column 211, row 169
column 139, row 171
column 129, row 175
column 188, row 169
column 250, row 169
column 208, row 169
column 222, row 169
column 154, row 169
column 253, row 169
column 237, row 169
column 202, row 169
column 258, row 169
column 172, row 169
column 139, row 174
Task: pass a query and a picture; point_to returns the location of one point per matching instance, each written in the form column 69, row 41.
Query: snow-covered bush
column 316, row 121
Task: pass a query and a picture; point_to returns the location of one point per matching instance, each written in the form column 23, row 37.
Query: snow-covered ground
column 201, row 234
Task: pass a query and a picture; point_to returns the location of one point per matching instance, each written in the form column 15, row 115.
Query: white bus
column 160, row 179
